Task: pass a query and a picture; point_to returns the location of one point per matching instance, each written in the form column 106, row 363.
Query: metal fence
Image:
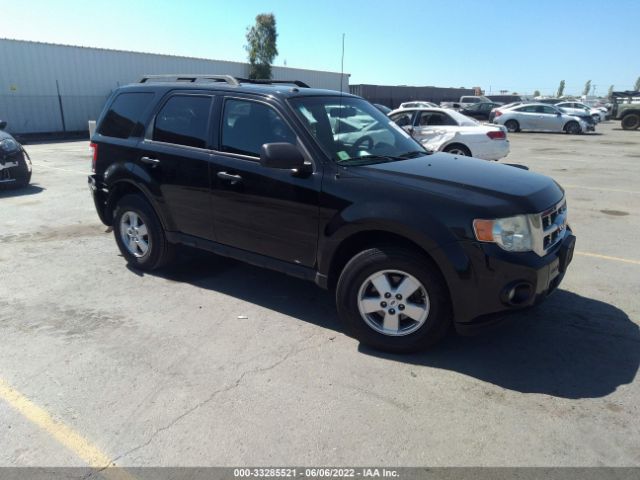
column 50, row 113
column 393, row 96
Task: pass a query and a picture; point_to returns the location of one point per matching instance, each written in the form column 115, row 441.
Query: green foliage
column 560, row 89
column 587, row 88
column 261, row 46
column 536, row 93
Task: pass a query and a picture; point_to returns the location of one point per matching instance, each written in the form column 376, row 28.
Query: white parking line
column 58, row 168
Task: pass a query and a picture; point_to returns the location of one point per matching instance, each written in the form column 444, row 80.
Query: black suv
column 323, row 186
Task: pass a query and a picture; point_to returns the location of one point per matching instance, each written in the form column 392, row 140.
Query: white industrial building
column 48, row 88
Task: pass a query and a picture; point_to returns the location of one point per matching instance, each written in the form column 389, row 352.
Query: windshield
column 351, row 130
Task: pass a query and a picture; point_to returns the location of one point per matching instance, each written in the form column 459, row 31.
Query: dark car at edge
column 322, row 186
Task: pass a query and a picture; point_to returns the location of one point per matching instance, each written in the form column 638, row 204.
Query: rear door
column 176, row 153
column 273, row 212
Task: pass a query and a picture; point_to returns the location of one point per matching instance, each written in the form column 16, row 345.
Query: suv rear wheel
column 139, row 234
column 393, row 299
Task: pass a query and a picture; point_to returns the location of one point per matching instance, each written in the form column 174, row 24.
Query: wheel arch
column 364, row 239
column 122, row 187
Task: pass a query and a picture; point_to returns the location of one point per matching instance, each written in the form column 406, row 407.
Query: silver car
column 541, row 117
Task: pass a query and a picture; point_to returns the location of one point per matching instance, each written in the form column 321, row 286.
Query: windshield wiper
column 414, row 154
column 384, row 158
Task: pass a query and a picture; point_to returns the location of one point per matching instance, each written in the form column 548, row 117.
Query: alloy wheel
column 393, row 302
column 134, row 234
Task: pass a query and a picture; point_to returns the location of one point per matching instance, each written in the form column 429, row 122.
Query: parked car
column 577, row 108
column 419, row 104
column 465, row 102
column 502, row 108
column 479, row 111
column 449, row 131
column 544, row 118
column 383, row 108
column 15, row 164
column 626, row 108
column 410, row 242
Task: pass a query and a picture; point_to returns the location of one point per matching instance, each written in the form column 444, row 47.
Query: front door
column 268, row 211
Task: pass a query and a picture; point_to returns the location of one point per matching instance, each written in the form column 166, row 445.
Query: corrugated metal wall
column 393, row 96
column 39, row 82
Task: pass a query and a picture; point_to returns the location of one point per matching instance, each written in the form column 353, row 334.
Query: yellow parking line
column 607, row 257
column 600, row 189
column 66, row 436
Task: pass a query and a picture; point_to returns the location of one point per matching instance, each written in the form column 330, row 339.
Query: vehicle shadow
column 570, row 346
column 20, row 192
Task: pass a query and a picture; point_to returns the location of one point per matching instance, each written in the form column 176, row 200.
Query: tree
column 560, row 89
column 611, row 90
column 261, row 46
column 536, row 93
column 587, row 88
column 636, row 87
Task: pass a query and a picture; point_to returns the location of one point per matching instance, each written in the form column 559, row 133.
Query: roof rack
column 190, row 78
column 235, row 81
column 266, row 81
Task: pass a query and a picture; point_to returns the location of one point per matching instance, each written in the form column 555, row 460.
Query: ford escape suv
column 323, row 186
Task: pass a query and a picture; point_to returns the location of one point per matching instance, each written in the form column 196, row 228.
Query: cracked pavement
column 214, row 363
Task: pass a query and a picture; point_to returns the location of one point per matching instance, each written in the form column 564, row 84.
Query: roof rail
column 190, row 78
column 266, row 81
column 235, row 81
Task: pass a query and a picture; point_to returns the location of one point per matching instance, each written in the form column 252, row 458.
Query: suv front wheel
column 393, row 299
column 139, row 234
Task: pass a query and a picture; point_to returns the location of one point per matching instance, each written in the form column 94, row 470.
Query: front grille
column 554, row 223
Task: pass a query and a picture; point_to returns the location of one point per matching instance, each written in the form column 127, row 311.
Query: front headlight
column 8, row 145
column 512, row 234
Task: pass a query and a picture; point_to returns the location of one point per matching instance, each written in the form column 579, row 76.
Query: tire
column 631, row 121
column 572, row 128
column 23, row 173
column 457, row 149
column 144, row 248
column 430, row 316
column 512, row 126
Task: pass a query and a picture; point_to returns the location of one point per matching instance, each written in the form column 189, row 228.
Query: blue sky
column 515, row 45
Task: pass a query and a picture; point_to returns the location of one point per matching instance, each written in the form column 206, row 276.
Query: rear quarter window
column 125, row 115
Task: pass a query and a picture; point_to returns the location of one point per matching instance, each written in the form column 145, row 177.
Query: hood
column 473, row 181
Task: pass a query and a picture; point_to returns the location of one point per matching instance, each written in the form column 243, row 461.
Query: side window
column 527, row 109
column 124, row 118
column 439, row 119
column 549, row 110
column 402, row 119
column 246, row 126
column 424, row 118
column 183, row 120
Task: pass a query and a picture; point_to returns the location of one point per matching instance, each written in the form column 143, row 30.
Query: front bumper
column 504, row 282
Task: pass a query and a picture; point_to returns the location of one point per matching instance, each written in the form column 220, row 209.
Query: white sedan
column 445, row 130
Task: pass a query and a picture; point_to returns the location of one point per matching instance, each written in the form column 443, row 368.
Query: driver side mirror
column 3, row 124
column 285, row 156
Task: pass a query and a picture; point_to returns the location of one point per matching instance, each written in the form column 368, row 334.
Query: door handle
column 229, row 177
column 149, row 160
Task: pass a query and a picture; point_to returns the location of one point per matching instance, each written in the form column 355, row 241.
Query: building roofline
column 160, row 54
